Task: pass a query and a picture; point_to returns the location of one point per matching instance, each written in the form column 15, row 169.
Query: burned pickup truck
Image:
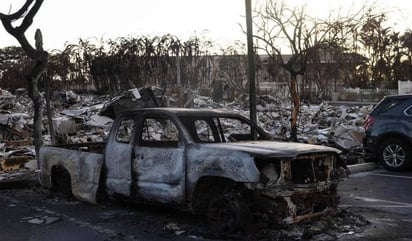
column 204, row 161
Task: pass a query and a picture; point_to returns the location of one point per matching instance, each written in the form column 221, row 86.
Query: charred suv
column 208, row 162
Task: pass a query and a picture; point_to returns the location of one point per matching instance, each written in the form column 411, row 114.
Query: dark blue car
column 388, row 130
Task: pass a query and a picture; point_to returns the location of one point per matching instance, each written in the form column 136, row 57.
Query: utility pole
column 251, row 65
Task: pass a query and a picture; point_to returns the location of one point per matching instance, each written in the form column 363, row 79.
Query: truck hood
column 273, row 148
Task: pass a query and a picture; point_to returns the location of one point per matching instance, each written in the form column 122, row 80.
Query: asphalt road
column 384, row 198
column 33, row 214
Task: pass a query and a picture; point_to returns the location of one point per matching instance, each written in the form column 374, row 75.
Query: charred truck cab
column 202, row 161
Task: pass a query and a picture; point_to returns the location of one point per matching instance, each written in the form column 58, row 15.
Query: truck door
column 158, row 163
column 118, row 156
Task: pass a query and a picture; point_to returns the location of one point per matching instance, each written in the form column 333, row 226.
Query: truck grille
column 312, row 168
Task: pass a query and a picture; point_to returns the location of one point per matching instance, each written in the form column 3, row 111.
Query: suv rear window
column 388, row 104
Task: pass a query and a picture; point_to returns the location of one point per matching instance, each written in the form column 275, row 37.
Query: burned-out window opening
column 159, row 132
column 218, row 129
column 235, row 130
column 124, row 132
column 204, row 131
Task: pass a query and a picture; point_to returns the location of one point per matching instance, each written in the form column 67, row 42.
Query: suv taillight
column 369, row 122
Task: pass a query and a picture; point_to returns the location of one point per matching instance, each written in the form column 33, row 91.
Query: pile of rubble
column 16, row 145
column 339, row 225
column 88, row 118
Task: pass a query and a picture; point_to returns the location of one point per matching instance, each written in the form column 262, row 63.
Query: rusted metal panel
column 118, row 167
column 206, row 160
column 83, row 167
column 159, row 173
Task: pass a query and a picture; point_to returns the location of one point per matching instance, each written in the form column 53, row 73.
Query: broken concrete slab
column 362, row 167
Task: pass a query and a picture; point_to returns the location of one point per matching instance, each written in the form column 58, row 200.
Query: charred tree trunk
column 37, row 54
column 34, row 94
column 296, row 109
column 50, row 111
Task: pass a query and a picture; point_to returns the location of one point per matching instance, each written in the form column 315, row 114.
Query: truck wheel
column 394, row 155
column 262, row 214
column 61, row 181
column 226, row 214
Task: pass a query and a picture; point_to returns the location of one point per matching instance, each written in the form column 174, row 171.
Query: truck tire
column 395, row 155
column 226, row 214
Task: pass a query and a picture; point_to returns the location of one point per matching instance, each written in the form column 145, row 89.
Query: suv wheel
column 395, row 155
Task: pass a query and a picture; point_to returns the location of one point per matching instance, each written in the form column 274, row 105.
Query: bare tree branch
column 19, row 31
column 37, row 54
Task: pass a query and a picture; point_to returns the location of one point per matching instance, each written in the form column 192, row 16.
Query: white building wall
column 405, row 87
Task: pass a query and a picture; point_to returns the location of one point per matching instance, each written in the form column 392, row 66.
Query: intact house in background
column 328, row 71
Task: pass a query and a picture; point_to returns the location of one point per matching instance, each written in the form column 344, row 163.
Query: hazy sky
column 64, row 21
